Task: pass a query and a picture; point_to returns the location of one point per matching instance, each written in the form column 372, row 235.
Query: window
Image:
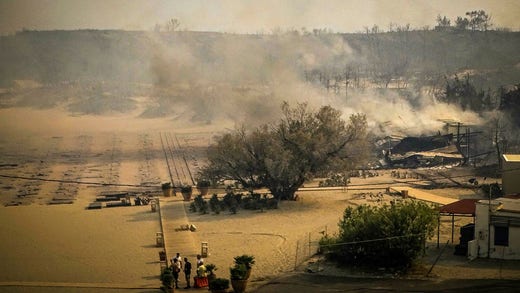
column 502, row 235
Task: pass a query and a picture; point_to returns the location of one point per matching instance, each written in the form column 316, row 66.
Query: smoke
column 209, row 78
column 239, row 77
column 391, row 114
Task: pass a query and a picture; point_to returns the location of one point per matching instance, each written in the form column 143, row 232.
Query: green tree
column 442, row 22
column 465, row 94
column 461, row 23
column 510, row 104
column 479, row 20
column 391, row 236
column 283, row 156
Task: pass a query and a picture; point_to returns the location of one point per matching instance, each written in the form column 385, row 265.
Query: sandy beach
column 69, row 246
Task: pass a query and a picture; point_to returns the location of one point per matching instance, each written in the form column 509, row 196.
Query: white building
column 497, row 229
column 511, row 173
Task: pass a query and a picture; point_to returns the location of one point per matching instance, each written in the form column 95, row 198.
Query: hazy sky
column 243, row 16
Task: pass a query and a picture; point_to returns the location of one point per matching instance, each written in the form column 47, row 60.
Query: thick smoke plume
column 245, row 79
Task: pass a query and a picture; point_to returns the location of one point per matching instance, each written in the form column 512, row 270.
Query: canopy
column 464, row 207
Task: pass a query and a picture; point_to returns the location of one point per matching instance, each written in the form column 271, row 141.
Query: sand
column 68, row 245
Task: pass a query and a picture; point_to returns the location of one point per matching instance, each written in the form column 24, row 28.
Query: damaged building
column 423, row 151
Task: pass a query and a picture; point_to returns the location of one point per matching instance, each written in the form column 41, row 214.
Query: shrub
column 389, row 236
column 238, row 272
column 193, row 207
column 166, row 185
column 247, row 260
column 219, row 284
column 200, row 204
column 335, row 180
column 203, row 183
column 493, row 189
column 214, row 204
column 232, row 201
column 210, row 268
column 186, row 188
column 167, row 277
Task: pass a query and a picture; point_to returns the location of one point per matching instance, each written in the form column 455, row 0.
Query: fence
column 308, row 245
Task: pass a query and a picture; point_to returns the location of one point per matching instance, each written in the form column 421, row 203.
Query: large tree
column 283, row 156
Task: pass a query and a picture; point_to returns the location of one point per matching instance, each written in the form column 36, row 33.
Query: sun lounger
column 95, row 206
column 102, row 198
column 61, row 201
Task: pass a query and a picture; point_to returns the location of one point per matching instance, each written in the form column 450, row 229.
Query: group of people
column 179, row 265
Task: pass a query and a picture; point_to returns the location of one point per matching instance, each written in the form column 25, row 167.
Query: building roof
column 509, row 205
column 461, row 207
column 511, row 157
column 422, row 143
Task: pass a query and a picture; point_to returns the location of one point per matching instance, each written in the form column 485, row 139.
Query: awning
column 463, row 207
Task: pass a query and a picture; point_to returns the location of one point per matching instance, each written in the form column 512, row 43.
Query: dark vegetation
column 387, row 236
column 232, row 202
column 113, row 66
column 124, row 56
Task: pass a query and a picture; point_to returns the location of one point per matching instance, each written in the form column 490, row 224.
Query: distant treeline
column 407, row 56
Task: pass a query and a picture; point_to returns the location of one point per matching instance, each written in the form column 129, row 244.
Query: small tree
column 461, row 23
column 479, row 20
column 390, row 236
column 172, row 25
column 442, row 22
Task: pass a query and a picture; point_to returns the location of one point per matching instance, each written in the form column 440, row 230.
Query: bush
column 238, row 272
column 493, row 188
column 186, row 188
column 214, row 204
column 256, row 201
column 199, row 204
column 203, row 183
column 193, row 207
column 335, row 180
column 231, row 201
column 166, row 185
column 219, row 284
column 247, row 260
column 167, row 278
column 389, row 236
column 210, row 268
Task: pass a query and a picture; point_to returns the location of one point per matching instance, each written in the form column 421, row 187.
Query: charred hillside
column 130, row 56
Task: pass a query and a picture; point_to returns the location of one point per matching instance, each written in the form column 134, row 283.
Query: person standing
column 179, row 259
column 187, row 272
column 176, row 270
column 200, row 260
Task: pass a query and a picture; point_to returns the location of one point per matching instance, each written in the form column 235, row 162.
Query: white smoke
column 246, row 78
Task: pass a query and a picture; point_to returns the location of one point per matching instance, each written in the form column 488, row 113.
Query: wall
column 510, row 174
column 479, row 246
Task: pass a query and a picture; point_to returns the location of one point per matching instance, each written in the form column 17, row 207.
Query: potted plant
column 219, row 285
column 247, row 260
column 238, row 275
column 203, row 186
column 167, row 280
column 210, row 270
column 166, row 188
column 186, row 191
